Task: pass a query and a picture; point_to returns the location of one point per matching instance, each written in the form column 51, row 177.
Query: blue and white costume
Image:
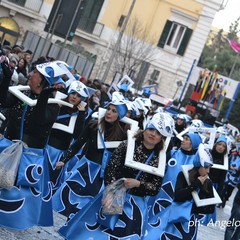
column 28, row 203
column 67, row 128
column 85, row 180
column 90, row 222
column 160, row 204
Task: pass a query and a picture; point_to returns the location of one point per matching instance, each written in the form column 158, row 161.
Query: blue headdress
column 203, row 158
column 222, row 139
column 120, row 104
column 52, row 71
column 124, row 87
column 195, row 139
column 146, row 92
column 78, row 87
column 163, row 123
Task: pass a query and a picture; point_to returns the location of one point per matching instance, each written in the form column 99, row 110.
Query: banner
column 234, row 45
column 211, row 85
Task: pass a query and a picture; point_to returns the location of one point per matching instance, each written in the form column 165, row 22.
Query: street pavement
column 212, row 232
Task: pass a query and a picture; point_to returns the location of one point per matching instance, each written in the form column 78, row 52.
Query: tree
column 218, row 55
column 136, row 46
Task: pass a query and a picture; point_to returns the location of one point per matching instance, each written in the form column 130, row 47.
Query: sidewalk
column 50, row 233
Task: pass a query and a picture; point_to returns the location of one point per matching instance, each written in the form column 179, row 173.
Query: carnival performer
column 219, row 151
column 139, row 185
column 177, row 221
column 232, row 179
column 232, row 231
column 67, row 128
column 217, row 176
column 200, row 182
column 28, row 203
column 185, row 155
column 86, row 180
column 180, row 125
column 142, row 106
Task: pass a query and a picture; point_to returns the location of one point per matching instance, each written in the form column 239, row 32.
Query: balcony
column 29, row 4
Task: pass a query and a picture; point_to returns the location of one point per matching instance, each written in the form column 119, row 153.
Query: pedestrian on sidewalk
column 232, row 231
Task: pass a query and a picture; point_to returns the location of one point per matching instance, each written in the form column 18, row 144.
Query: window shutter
column 90, row 12
column 184, row 43
column 165, row 33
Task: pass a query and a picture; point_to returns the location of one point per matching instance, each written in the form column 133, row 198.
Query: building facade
column 176, row 33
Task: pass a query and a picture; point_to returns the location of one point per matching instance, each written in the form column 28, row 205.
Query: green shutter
column 91, row 10
column 165, row 33
column 184, row 43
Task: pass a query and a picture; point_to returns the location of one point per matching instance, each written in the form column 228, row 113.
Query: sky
column 225, row 17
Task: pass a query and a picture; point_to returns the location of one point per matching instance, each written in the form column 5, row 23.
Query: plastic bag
column 114, row 197
column 9, row 162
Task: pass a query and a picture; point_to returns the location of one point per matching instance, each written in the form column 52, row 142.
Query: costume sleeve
column 208, row 193
column 204, row 194
column 115, row 165
column 44, row 112
column 150, row 187
column 79, row 126
column 76, row 146
column 183, row 192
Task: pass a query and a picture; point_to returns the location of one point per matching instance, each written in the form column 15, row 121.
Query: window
column 29, row 4
column 89, row 15
column 155, row 74
column 19, row 2
column 175, row 37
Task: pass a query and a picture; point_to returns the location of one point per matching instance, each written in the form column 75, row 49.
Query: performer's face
column 74, row 98
column 220, row 147
column 35, row 81
column 111, row 114
column 179, row 121
column 186, row 143
column 151, row 137
column 203, row 171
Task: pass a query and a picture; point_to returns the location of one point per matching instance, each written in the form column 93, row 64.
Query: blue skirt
column 159, row 228
column 82, row 185
column 56, row 175
column 129, row 225
column 28, row 205
column 4, row 143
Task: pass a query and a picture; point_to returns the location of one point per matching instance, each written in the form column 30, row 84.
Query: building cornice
column 14, row 9
column 91, row 38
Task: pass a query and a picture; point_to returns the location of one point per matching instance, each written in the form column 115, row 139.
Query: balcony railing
column 29, row 4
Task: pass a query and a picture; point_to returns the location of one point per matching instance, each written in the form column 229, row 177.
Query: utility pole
column 69, row 29
column 110, row 61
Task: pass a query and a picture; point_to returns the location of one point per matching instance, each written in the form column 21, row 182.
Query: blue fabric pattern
column 180, row 211
column 82, row 185
column 130, row 225
column 4, row 142
column 160, row 204
column 31, row 169
column 56, row 175
column 32, row 205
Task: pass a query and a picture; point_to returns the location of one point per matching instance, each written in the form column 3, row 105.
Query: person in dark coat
column 28, row 202
column 219, row 151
